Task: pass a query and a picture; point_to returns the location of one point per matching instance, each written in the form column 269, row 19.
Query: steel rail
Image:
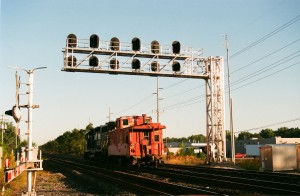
column 222, row 179
column 137, row 183
column 271, row 176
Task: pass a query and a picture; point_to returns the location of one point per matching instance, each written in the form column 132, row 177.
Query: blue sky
column 264, row 60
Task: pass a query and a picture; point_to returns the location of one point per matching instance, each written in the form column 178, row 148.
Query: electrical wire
column 185, row 103
column 267, row 76
column 175, row 84
column 270, row 125
column 289, row 23
column 180, row 93
column 274, row 52
column 266, row 68
column 136, row 104
column 191, row 101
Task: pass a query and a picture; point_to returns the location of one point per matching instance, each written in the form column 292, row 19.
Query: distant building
column 241, row 145
column 174, row 147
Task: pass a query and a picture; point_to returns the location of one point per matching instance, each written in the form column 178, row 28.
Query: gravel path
column 53, row 181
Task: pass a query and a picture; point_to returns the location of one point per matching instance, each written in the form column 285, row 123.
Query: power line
column 235, row 54
column 265, row 126
column 267, row 36
column 267, row 76
column 244, row 78
column 175, row 84
column 195, row 100
column 267, row 68
column 254, row 74
column 136, row 104
column 180, row 93
column 266, row 56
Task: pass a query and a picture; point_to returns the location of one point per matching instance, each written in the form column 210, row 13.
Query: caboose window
column 125, row 121
column 156, row 138
column 147, row 120
column 146, row 135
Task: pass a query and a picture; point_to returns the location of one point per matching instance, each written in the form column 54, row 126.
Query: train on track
column 132, row 140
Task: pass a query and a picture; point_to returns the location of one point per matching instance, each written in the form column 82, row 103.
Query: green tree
column 89, row 127
column 288, row 132
column 244, row 135
column 71, row 142
column 197, row 138
column 267, row 133
column 228, row 135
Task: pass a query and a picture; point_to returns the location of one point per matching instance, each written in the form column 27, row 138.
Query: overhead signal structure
column 135, row 58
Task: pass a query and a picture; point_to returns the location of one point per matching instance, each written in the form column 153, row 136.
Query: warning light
column 136, row 44
column 94, row 41
column 71, row 61
column 176, row 47
column 114, row 63
column 154, row 66
column 15, row 112
column 115, row 44
column 155, row 47
column 136, row 64
column 176, row 66
column 72, row 40
column 93, row 61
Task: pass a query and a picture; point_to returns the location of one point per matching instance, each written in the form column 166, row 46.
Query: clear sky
column 264, row 47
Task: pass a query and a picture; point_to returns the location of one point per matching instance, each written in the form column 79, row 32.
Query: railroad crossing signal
column 15, row 112
column 154, row 59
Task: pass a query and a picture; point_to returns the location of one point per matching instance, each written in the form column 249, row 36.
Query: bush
column 249, row 164
column 201, row 155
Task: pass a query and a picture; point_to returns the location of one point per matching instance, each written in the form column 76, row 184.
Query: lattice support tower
column 215, row 115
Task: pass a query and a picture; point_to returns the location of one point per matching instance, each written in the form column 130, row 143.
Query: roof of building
column 186, row 144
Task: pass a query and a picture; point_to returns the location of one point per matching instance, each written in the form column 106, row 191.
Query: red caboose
column 137, row 139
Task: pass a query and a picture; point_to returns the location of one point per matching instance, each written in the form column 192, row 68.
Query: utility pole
column 230, row 105
column 3, row 128
column 17, row 105
column 157, row 99
column 109, row 114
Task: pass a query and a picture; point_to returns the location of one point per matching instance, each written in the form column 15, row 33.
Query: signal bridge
column 114, row 57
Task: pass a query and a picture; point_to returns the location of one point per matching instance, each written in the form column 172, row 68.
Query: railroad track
column 135, row 182
column 252, row 181
column 270, row 176
column 177, row 179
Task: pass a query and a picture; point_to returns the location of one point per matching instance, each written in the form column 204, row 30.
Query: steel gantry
column 134, row 58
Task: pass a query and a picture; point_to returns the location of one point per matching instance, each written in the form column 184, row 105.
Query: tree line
column 193, row 138
column 71, row 142
column 268, row 133
column 283, row 132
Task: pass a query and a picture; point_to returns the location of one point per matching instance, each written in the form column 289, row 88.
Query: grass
column 184, row 160
column 249, row 164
